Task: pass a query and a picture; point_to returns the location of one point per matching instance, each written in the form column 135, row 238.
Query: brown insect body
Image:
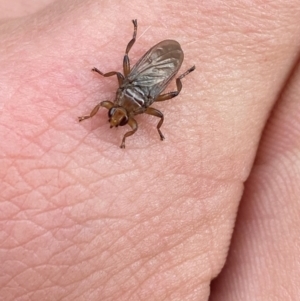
column 143, row 84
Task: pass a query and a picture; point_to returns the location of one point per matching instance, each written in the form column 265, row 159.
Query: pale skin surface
column 82, row 219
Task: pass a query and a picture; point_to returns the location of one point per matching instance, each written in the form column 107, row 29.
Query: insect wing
column 157, row 67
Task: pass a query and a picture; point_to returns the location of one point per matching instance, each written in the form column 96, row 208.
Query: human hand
column 84, row 220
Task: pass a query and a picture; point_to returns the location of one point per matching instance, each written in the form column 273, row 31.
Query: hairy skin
column 82, row 219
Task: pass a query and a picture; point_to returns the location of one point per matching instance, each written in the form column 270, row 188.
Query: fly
column 142, row 85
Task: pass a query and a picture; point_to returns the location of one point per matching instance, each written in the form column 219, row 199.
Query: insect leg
column 126, row 63
column 154, row 112
column 133, row 124
column 112, row 73
column 178, row 85
column 105, row 104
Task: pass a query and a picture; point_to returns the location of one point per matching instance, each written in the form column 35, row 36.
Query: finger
column 263, row 262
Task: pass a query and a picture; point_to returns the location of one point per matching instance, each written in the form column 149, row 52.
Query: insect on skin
column 142, row 85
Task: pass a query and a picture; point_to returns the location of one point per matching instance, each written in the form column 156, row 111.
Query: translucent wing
column 156, row 68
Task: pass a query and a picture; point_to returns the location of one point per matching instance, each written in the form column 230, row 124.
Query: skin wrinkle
column 145, row 282
column 175, row 245
column 146, row 279
column 280, row 177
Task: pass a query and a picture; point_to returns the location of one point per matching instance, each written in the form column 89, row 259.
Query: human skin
column 82, row 219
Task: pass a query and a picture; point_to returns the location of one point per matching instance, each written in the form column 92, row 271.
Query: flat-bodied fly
column 142, row 85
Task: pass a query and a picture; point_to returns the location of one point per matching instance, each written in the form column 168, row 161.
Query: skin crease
column 82, row 219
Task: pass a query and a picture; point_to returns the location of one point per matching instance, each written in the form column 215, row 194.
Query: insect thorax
column 132, row 99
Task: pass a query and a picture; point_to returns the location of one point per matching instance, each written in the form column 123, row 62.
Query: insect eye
column 123, row 120
column 111, row 112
